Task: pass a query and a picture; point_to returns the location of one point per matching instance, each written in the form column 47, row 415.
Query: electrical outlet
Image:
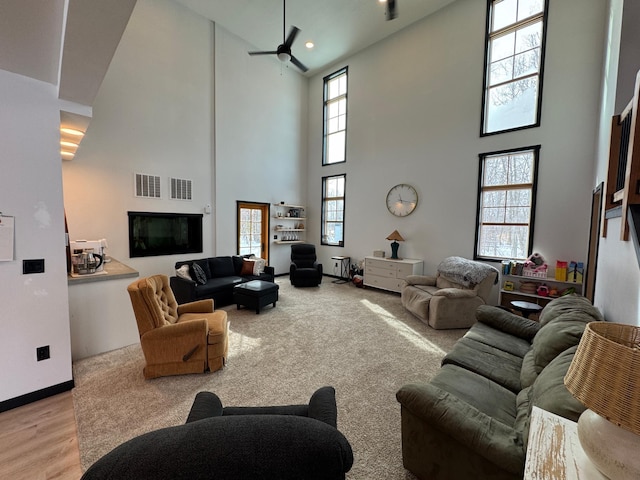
column 275, row 237
column 42, row 353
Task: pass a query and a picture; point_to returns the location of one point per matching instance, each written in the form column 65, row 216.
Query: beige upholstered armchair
column 449, row 299
column 176, row 339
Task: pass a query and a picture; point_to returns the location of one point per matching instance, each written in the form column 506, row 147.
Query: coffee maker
column 87, row 257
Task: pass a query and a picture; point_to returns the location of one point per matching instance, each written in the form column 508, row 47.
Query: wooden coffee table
column 255, row 294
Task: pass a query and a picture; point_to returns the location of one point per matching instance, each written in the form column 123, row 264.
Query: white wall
column 414, row 117
column 152, row 115
column 261, row 126
column 617, row 292
column 33, row 308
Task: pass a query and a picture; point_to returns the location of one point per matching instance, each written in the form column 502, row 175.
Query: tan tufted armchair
column 177, row 339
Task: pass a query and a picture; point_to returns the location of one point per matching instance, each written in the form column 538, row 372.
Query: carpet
column 360, row 341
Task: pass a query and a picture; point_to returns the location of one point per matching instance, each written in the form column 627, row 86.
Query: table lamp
column 396, row 237
column 604, row 376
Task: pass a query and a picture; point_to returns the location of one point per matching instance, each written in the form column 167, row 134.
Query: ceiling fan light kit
column 283, row 52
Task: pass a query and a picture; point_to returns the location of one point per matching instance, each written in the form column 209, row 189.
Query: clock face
column 402, row 200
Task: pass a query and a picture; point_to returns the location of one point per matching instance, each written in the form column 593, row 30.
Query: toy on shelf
column 535, row 266
column 575, row 272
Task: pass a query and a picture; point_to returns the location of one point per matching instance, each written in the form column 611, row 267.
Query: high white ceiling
column 31, row 33
column 338, row 28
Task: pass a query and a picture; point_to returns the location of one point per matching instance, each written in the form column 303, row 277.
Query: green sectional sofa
column 472, row 419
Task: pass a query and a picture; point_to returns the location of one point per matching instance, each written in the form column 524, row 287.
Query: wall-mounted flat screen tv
column 152, row 234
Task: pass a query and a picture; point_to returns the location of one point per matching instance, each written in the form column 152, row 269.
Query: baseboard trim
column 35, row 396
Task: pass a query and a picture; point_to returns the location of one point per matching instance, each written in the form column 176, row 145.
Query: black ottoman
column 255, row 294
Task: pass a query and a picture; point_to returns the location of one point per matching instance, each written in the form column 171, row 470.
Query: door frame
column 266, row 224
column 594, row 242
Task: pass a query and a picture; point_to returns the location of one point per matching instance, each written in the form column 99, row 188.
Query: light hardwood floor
column 39, row 441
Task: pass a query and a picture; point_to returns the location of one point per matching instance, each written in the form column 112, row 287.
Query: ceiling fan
column 284, row 49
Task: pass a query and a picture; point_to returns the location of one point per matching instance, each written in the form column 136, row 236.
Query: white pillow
column 258, row 265
column 183, row 272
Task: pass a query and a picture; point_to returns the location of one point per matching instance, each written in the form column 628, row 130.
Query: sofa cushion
column 483, row 333
column 528, row 373
column 221, row 267
column 507, row 322
column 258, row 265
column 549, row 393
column 203, row 264
column 483, row 394
column 198, row 274
column 490, row 362
column 569, row 303
column 247, row 267
column 555, row 337
column 215, row 285
column 183, row 272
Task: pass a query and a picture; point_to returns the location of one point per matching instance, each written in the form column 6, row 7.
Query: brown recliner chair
column 177, row 339
column 449, row 299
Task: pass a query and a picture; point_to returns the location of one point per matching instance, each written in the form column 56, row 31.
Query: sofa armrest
column 199, row 306
column 174, row 343
column 455, row 293
column 507, row 322
column 420, row 280
column 495, row 441
column 184, row 290
column 205, row 405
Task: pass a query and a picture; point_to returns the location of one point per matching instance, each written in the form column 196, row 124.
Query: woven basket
column 605, row 373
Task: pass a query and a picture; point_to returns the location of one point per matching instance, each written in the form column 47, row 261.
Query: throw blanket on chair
column 465, row 272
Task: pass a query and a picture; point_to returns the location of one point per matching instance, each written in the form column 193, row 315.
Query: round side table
column 526, row 308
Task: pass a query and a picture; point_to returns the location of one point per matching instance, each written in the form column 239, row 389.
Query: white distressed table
column 554, row 451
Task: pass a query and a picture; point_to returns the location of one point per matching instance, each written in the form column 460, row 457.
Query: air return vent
column 180, row 189
column 147, row 186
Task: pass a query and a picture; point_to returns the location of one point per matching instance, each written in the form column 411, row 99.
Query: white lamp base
column 613, row 450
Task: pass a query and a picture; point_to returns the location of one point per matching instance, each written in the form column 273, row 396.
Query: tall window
column 514, row 63
column 333, row 189
column 506, row 204
column 335, row 118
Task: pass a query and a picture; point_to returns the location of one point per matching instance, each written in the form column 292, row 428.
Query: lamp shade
column 395, row 236
column 604, row 374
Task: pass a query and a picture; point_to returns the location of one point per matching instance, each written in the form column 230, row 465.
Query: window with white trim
column 506, row 204
column 335, row 118
column 333, row 194
column 514, row 64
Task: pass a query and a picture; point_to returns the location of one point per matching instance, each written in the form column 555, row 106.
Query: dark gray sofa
column 223, row 273
column 472, row 419
column 293, row 442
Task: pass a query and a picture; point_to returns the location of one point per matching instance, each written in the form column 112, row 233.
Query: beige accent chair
column 449, row 300
column 177, row 339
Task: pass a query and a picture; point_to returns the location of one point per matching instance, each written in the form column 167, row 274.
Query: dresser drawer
column 382, row 272
column 372, row 262
column 385, row 283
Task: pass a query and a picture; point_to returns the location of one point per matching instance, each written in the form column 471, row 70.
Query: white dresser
column 389, row 274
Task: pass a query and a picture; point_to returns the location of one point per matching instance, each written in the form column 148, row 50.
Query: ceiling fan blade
column 297, row 63
column 263, row 53
column 292, row 36
column 392, row 10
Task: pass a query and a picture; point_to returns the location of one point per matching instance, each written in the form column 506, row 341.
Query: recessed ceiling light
column 68, row 144
column 309, row 44
column 66, row 155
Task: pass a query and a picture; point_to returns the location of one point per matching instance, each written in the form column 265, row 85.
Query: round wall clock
column 402, row 200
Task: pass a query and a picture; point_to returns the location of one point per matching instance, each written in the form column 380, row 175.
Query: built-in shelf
column 290, row 223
